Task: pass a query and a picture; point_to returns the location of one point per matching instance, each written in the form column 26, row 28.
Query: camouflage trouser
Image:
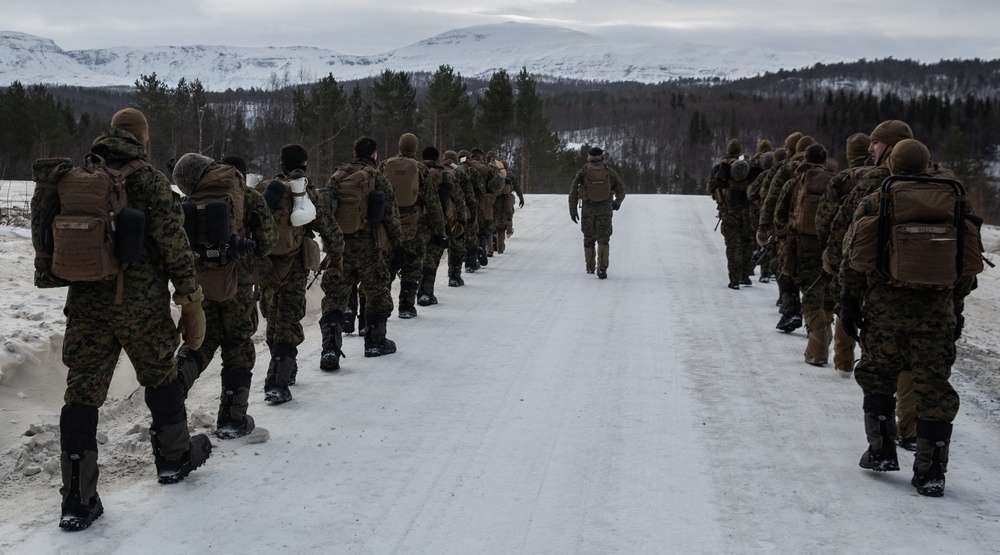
column 471, row 239
column 739, row 244
column 366, row 265
column 433, row 254
column 283, row 305
column 891, row 348
column 415, row 248
column 94, row 341
column 231, row 325
column 812, row 281
column 596, row 227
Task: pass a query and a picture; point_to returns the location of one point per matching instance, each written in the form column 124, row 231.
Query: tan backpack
column 812, row 185
column 214, row 220
column 351, row 184
column 404, row 175
column 596, row 182
column 290, row 237
column 85, row 245
column 922, row 238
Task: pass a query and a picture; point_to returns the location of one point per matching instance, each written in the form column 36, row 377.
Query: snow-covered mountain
column 548, row 52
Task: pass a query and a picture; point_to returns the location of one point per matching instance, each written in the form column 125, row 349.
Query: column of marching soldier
column 879, row 255
column 116, row 234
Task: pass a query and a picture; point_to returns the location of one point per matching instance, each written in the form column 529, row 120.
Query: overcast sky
column 918, row 29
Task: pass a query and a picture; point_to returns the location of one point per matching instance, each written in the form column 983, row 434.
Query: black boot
column 471, row 260
column 175, row 452
column 351, row 311
column 189, row 367
column 455, row 271
column 233, row 419
column 376, row 343
column 931, row 460
column 81, row 505
column 407, row 299
column 333, row 341
column 362, row 303
column 425, row 295
column 280, row 373
column 880, row 428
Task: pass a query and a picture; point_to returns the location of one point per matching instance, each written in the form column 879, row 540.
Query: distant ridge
column 548, row 53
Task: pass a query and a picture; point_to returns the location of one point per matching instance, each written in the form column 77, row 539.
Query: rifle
column 821, row 275
column 319, row 271
column 718, row 220
column 761, row 251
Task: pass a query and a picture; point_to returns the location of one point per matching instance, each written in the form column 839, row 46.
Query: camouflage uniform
column 473, row 230
column 366, row 263
column 230, row 324
column 596, row 217
column 503, row 208
column 455, row 206
column 98, row 329
column 458, row 247
column 283, row 292
column 790, row 305
column 904, row 329
column 430, row 225
column 756, row 193
column 841, row 185
column 728, row 186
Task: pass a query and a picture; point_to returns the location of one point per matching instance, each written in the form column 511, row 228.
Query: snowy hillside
column 537, row 409
column 548, row 52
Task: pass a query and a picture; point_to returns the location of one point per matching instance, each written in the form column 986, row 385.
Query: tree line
column 662, row 138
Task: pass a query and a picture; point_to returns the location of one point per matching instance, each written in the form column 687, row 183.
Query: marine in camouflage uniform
column 366, row 262
column 230, row 324
column 456, row 213
column 728, row 186
column 283, row 291
column 595, row 220
column 98, row 328
column 790, row 305
column 430, row 227
column 882, row 140
column 458, row 247
column 756, row 193
column 475, row 256
column 503, row 208
column 904, row 329
column 803, row 257
column 840, row 186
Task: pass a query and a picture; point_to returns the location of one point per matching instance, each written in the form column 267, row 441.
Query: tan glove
column 192, row 322
column 335, row 269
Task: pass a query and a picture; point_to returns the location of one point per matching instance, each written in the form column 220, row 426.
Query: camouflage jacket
column 841, row 221
column 260, row 227
column 841, row 184
column 782, row 173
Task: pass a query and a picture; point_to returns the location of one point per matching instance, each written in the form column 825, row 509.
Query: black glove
column 616, row 205
column 574, row 217
column 850, row 315
column 959, row 324
column 440, row 240
column 398, row 259
column 521, row 204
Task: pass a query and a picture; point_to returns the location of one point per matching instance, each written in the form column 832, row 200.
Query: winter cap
column 189, row 169
column 891, row 132
column 134, row 122
column 236, row 162
column 791, row 140
column 408, row 143
column 763, row 146
column 767, row 160
column 779, row 154
column 815, row 154
column 450, row 156
column 293, row 157
column 430, row 153
column 909, row 156
column 491, row 154
column 857, row 146
column 464, row 154
column 734, row 147
column 739, row 170
column 595, row 151
column 803, row 143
